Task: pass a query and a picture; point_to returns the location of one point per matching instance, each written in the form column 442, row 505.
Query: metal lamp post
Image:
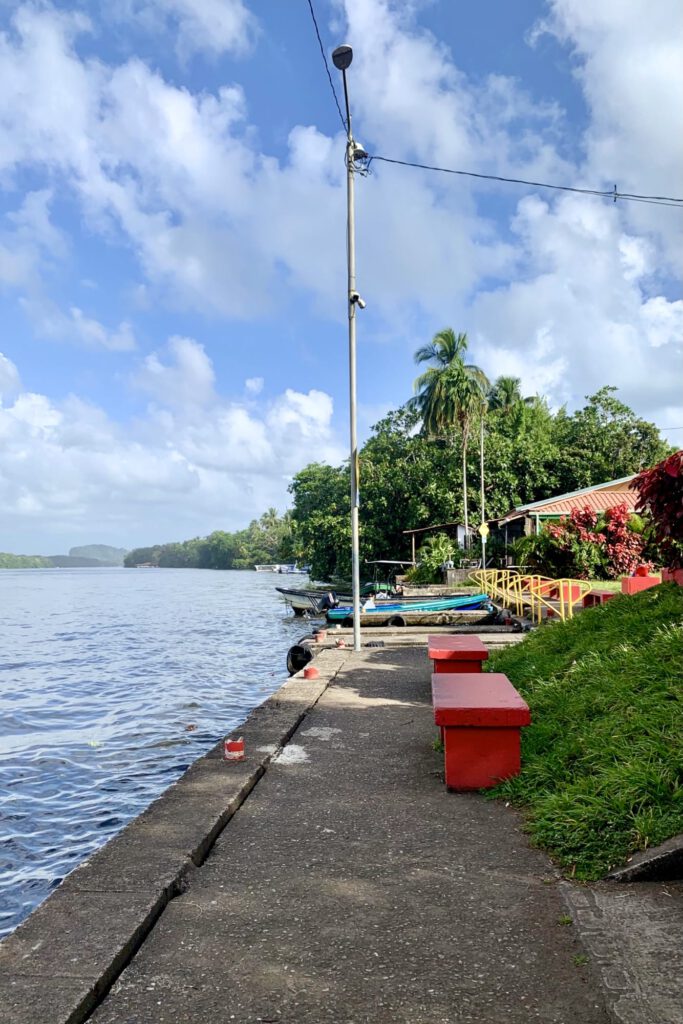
column 342, row 58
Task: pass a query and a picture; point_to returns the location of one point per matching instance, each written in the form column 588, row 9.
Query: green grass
column 602, row 762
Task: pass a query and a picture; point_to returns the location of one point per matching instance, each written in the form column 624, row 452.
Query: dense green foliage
column 409, row 479
column 602, row 762
column 603, row 441
column 263, row 541
column 8, row 561
column 437, row 549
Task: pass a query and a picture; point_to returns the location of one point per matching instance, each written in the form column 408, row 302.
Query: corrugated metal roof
column 600, row 501
column 598, row 498
column 583, row 490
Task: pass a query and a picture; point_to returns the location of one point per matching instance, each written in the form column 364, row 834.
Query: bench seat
column 456, row 653
column 481, row 716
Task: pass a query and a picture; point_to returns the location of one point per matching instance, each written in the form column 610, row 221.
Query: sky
column 173, row 334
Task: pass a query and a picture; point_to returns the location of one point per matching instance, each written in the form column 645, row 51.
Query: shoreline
column 209, row 918
column 98, row 917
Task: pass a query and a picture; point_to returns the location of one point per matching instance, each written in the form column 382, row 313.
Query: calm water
column 112, row 681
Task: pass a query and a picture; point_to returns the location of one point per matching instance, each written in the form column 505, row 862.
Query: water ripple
column 111, row 683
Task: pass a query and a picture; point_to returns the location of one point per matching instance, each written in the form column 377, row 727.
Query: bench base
column 444, row 665
column 478, row 757
column 596, row 597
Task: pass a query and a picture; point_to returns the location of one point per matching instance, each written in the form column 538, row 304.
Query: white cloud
column 416, row 103
column 9, row 376
column 217, row 226
column 254, row 385
column 629, row 62
column 202, row 26
column 94, row 334
column 195, row 462
column 30, row 242
column 50, row 321
column 188, row 379
column 575, row 323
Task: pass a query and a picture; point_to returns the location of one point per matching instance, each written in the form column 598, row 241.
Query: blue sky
column 172, row 267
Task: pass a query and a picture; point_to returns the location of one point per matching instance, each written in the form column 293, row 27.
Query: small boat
column 271, row 567
column 308, row 602
column 470, row 602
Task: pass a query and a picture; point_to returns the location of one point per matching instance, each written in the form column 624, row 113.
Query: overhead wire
column 327, row 66
column 613, row 194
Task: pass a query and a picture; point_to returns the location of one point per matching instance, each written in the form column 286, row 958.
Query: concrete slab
column 351, row 886
column 634, row 935
column 33, row 1000
column 157, row 849
column 87, row 936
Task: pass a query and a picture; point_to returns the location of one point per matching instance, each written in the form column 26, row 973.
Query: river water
column 112, row 681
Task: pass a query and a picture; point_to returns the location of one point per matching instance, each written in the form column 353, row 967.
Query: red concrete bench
column 481, row 716
column 634, row 584
column 456, row 653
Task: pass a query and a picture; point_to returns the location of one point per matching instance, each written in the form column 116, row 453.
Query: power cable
column 650, row 202
column 327, row 66
column 613, row 194
column 603, row 193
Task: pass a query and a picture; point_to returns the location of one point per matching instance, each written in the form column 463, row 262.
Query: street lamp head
column 342, row 57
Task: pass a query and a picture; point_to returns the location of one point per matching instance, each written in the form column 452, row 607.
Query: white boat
column 311, row 602
column 272, row 567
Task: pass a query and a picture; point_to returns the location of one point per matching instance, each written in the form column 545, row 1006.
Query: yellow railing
column 532, row 593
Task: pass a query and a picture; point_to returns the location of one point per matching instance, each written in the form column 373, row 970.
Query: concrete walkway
column 350, row 887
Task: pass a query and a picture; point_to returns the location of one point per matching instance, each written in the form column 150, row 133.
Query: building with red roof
column 528, row 519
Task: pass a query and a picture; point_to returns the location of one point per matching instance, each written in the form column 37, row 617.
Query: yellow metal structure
column 532, row 594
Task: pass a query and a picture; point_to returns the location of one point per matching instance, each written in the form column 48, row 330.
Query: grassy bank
column 602, row 771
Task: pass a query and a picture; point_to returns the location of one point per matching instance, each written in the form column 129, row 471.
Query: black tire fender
column 298, row 657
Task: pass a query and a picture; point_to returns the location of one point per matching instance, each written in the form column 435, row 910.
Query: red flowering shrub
column 660, row 491
column 623, row 547
column 588, row 546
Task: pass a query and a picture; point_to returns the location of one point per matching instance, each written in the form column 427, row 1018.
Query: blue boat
column 470, row 602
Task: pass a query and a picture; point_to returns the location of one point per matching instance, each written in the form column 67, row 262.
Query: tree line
column 264, row 540
column 416, row 464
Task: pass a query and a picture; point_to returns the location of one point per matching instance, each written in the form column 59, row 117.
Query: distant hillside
column 99, row 552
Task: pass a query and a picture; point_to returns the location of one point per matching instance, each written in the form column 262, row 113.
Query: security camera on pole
column 342, row 58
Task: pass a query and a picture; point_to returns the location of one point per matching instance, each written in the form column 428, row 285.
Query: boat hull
column 474, row 602
column 307, row 602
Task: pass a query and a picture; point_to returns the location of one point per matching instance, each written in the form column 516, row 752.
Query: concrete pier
column 330, row 877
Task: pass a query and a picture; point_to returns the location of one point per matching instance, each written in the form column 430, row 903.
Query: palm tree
column 450, row 394
column 505, row 394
